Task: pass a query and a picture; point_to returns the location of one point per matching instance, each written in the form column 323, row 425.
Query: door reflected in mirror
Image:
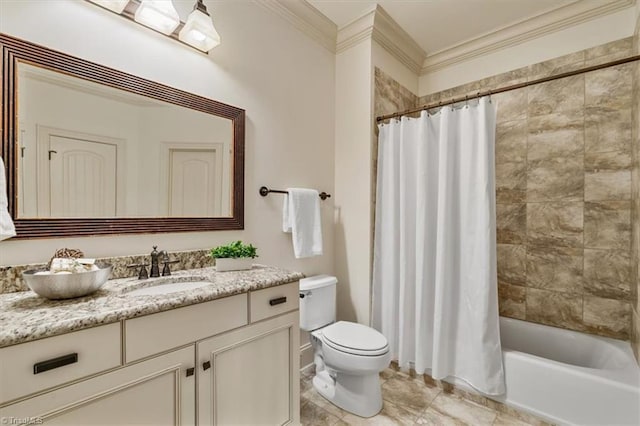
column 88, row 150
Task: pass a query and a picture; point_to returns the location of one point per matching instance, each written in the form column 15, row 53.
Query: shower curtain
column 434, row 271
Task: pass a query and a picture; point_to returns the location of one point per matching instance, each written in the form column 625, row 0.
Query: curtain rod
column 509, row 88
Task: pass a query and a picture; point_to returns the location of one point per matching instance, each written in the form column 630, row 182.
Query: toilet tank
column 317, row 301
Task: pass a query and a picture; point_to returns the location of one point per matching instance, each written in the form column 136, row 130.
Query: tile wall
column 635, row 197
column 563, row 190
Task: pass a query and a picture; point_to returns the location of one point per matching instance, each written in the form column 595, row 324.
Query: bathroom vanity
column 224, row 353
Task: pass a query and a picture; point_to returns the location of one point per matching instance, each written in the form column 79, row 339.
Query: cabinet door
column 250, row 376
column 157, row 391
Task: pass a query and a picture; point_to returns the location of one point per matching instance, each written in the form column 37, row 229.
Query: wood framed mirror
column 90, row 150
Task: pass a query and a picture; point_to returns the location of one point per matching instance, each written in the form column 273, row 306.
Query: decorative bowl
column 67, row 286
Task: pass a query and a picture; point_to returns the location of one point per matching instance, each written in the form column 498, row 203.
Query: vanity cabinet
column 251, row 376
column 157, row 391
column 233, row 360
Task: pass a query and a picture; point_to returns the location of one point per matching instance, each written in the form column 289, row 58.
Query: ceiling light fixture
column 160, row 15
column 199, row 31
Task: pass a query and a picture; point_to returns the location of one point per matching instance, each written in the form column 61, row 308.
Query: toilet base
column 359, row 395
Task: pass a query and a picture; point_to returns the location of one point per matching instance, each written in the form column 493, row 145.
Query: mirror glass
column 90, row 150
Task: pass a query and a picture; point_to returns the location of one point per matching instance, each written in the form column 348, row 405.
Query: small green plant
column 234, row 250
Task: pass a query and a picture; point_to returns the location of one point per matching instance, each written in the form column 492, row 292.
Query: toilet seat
column 355, row 339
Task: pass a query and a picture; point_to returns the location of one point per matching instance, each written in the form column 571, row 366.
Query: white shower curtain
column 434, row 272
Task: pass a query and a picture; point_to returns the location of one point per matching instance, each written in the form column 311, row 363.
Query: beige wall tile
column 511, row 105
column 512, row 267
column 511, row 141
column 599, row 161
column 555, row 179
column 607, row 185
column 553, row 308
column 607, row 273
column 554, row 135
column 607, row 129
column 607, row 317
column 555, row 268
column 609, row 87
column 556, row 96
column 608, row 52
column 512, row 301
column 607, row 224
column 511, row 223
column 555, row 224
column 511, row 182
column 570, row 62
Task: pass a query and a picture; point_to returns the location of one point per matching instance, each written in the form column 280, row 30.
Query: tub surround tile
column 607, row 317
column 511, row 182
column 511, row 141
column 559, row 65
column 512, row 301
column 555, row 224
column 511, row 222
column 555, row 179
column 555, row 268
column 26, row 316
column 607, row 224
column 512, row 268
column 607, row 185
column 511, row 105
column 554, row 308
column 391, row 96
column 556, row 96
column 607, row 129
column 607, row 161
column 609, row 87
column 509, row 78
column 556, row 135
column 607, row 273
column 608, row 52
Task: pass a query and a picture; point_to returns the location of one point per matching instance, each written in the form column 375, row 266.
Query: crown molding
column 378, row 25
column 555, row 20
column 305, row 18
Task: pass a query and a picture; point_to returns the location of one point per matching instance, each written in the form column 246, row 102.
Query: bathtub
column 568, row 377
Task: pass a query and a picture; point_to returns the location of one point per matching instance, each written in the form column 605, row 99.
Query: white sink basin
column 168, row 288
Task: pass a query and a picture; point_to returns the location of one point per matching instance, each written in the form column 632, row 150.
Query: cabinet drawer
column 273, row 301
column 152, row 334
column 34, row 366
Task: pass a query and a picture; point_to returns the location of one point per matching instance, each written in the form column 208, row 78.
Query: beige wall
column 284, row 80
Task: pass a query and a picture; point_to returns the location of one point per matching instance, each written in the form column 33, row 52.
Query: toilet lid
column 355, row 338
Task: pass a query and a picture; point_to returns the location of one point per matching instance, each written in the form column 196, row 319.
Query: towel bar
column 264, row 191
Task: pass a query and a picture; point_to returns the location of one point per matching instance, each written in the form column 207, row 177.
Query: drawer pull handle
column 50, row 364
column 190, row 371
column 277, row 301
column 206, row 365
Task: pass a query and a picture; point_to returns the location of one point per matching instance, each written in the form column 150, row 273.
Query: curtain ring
column 489, row 96
column 466, row 101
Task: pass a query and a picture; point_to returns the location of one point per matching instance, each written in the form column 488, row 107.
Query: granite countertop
column 25, row 316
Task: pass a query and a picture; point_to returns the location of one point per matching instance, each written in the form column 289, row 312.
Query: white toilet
column 348, row 356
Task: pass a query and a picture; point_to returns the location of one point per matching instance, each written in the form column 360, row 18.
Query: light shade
column 199, row 31
column 116, row 6
column 159, row 15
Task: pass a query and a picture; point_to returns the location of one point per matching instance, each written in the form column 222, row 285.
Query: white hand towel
column 7, row 230
column 301, row 217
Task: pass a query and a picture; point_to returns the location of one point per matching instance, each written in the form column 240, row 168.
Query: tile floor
column 407, row 401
